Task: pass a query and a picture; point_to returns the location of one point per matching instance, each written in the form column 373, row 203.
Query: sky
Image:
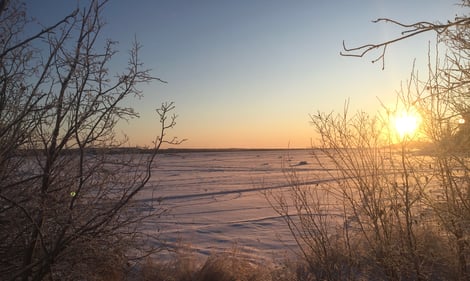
column 249, row 73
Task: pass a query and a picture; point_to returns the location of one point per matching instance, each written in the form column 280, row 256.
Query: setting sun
column 406, row 123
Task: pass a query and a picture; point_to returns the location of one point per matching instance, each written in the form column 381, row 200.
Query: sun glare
column 406, row 123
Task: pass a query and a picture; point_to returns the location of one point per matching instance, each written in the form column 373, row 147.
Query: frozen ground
column 215, row 200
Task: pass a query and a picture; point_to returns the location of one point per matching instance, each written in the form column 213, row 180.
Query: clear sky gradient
column 248, row 73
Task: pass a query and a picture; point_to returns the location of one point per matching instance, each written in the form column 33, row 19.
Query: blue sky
column 249, row 73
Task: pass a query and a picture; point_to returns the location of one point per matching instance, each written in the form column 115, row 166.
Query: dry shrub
column 293, row 270
column 438, row 260
column 92, row 260
column 227, row 267
column 185, row 267
column 182, row 267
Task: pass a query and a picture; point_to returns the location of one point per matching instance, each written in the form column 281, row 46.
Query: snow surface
column 216, row 203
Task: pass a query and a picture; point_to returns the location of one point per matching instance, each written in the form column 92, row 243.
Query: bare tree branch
column 411, row 30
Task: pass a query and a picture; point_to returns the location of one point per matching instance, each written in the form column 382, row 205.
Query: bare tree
column 68, row 207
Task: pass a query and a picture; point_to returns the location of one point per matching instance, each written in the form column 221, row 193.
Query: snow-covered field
column 216, row 203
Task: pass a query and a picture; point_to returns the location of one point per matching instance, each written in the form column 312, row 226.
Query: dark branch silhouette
column 411, row 30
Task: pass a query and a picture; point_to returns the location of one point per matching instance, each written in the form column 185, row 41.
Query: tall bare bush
column 67, row 192
column 402, row 204
column 364, row 210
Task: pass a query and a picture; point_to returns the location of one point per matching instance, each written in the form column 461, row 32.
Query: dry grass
column 222, row 267
column 437, row 263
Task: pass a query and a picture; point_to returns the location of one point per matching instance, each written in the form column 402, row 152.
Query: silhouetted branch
column 411, row 30
column 39, row 34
